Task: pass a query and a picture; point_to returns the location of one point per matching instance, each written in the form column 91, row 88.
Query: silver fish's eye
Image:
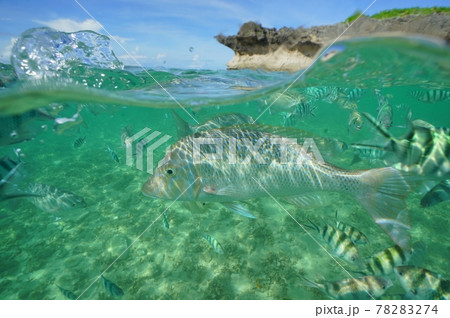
column 170, row 172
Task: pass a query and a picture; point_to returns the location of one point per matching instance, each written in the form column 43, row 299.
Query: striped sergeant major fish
column 51, row 199
column 339, row 242
column 353, row 288
column 79, row 142
column 165, row 221
column 420, row 283
column 384, row 117
column 304, row 109
column 438, row 194
column 112, row 288
column 355, row 121
column 364, row 152
column 353, row 233
column 253, row 166
column 355, row 94
column 113, row 154
column 319, row 92
column 431, row 96
column 67, row 293
column 384, row 262
column 214, row 243
column 425, row 150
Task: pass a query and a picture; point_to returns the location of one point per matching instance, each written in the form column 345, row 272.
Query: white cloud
column 196, row 62
column 121, row 39
column 134, row 55
column 6, row 54
column 160, row 56
column 69, row 25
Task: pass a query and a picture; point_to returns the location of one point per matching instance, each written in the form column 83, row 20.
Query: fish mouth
column 149, row 190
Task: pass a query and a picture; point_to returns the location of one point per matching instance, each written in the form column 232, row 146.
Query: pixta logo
column 142, row 141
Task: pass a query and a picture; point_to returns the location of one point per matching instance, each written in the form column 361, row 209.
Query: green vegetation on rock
column 400, row 13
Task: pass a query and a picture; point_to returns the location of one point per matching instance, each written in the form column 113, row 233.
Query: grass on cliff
column 400, row 13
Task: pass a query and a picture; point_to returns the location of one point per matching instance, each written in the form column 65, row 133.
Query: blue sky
column 160, row 33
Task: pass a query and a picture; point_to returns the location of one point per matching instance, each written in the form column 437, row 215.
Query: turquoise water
column 264, row 258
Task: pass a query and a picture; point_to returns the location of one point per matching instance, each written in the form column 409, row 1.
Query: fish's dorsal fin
column 183, row 128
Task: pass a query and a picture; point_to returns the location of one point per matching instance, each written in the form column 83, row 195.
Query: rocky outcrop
column 289, row 49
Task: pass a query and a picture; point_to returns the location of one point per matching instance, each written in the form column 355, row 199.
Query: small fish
column 127, row 132
column 283, row 103
column 79, row 142
column 66, row 124
column 366, row 152
column 384, row 117
column 304, row 109
column 67, row 293
column 353, row 288
column 318, row 92
column 19, row 128
column 355, row 120
column 51, row 199
column 438, row 194
column 420, row 283
column 431, row 96
column 339, row 242
column 113, row 154
column 9, row 173
column 384, row 262
column 165, row 221
column 353, row 233
column 355, row 94
column 214, row 243
column 423, row 150
column 112, row 288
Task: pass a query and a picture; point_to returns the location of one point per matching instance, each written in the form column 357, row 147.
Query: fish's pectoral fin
column 238, row 209
column 310, row 200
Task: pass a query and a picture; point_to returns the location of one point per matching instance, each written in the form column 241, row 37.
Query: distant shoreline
column 289, row 49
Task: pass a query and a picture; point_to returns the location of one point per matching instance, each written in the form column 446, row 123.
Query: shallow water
column 264, row 258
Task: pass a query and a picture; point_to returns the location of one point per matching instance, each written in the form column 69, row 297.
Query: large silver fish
column 253, row 162
column 51, row 199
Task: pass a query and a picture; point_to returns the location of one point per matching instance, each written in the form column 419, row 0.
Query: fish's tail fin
column 383, row 196
column 182, row 126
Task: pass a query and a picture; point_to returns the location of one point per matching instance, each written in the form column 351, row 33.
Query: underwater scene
column 122, row 182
